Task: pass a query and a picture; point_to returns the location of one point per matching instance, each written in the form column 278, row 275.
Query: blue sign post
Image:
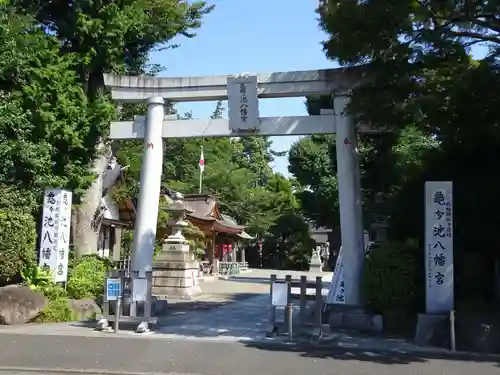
column 113, row 289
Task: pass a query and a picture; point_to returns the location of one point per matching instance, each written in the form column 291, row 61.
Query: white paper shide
column 243, row 102
column 54, row 238
column 439, row 246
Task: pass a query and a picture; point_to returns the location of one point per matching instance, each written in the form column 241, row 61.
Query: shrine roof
column 319, row 234
column 127, row 210
column 244, row 235
column 227, row 227
column 118, row 223
column 202, row 205
column 205, row 208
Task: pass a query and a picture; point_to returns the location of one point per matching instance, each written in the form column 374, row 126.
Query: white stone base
column 316, row 267
column 427, row 325
column 175, row 273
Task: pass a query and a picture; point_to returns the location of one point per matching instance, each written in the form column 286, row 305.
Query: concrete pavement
column 239, row 321
column 218, row 291
column 244, row 320
column 228, row 338
column 236, row 309
column 114, row 354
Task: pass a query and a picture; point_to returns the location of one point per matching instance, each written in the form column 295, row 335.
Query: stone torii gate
column 243, row 121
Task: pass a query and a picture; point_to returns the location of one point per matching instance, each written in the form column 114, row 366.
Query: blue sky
column 253, row 36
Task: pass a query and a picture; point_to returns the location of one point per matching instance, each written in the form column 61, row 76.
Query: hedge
column 17, row 243
column 391, row 277
column 86, row 278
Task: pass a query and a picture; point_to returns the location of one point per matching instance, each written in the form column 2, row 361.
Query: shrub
column 15, row 197
column 36, row 277
column 54, row 292
column 58, row 310
column 41, row 281
column 391, row 277
column 299, row 255
column 86, row 278
column 17, row 243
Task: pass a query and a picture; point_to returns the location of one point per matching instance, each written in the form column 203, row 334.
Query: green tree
column 115, row 36
column 415, row 52
column 313, row 164
column 423, row 79
column 254, row 154
column 47, row 125
column 287, row 244
column 387, row 162
column 219, row 110
column 111, row 36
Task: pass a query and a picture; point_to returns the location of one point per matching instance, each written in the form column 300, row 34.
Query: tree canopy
column 425, row 83
column 53, row 114
column 115, row 36
column 47, row 125
column 55, row 111
column 417, row 55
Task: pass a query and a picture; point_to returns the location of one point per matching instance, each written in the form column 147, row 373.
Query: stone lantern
column 175, row 270
column 178, row 212
column 315, row 264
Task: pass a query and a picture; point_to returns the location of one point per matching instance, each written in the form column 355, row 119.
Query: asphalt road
column 25, row 354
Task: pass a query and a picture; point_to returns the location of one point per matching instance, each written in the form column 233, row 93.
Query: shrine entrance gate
column 243, row 93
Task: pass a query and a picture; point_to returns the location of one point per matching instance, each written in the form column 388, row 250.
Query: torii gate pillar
column 350, row 205
column 149, row 190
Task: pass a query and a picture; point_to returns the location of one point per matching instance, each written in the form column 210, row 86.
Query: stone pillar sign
column 439, row 269
column 175, row 271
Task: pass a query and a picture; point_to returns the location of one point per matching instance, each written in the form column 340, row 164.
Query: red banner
column 226, row 248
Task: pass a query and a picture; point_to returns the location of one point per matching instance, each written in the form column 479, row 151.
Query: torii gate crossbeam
column 155, row 126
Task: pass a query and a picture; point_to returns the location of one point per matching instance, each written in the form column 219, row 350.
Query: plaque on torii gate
column 242, row 93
